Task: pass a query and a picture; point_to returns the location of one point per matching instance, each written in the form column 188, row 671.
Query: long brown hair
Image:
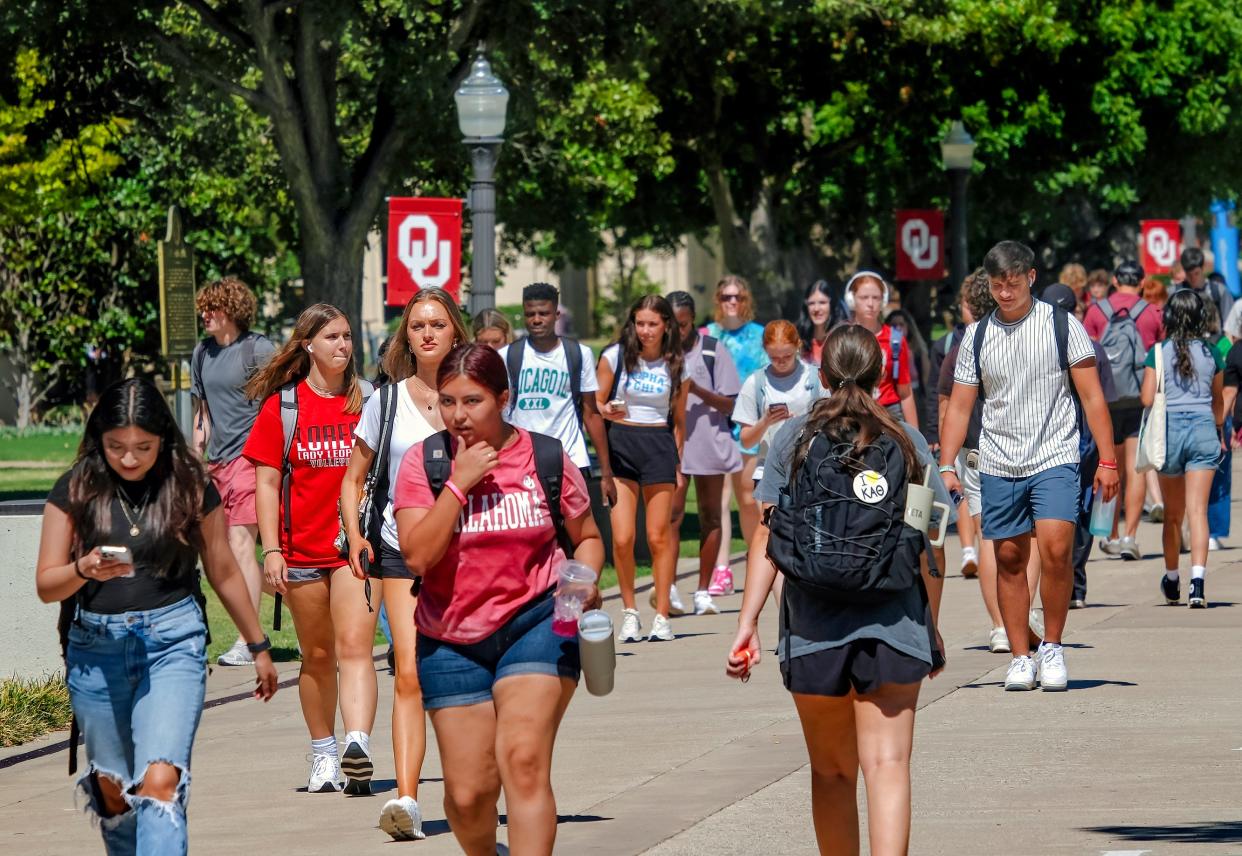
column 670, row 347
column 745, row 302
column 850, row 369
column 291, row 364
column 399, row 361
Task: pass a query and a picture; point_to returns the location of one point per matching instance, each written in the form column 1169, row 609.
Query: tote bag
column 1152, row 434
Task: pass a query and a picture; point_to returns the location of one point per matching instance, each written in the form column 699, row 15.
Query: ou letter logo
column 919, row 244
column 1161, row 247
column 420, row 249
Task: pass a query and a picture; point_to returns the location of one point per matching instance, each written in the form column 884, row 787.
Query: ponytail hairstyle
column 850, row 369
column 670, row 347
column 177, row 478
column 291, row 364
column 1185, row 319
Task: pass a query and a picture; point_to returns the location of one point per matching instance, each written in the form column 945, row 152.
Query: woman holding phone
column 430, row 327
column 312, row 378
column 495, row 676
column 123, row 532
column 641, row 385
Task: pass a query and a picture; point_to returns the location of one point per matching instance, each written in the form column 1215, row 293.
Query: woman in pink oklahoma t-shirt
column 488, row 661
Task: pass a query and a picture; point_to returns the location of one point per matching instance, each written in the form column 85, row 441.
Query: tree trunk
column 332, row 273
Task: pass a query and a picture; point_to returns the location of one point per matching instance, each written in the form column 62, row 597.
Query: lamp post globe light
column 482, row 102
column 957, row 150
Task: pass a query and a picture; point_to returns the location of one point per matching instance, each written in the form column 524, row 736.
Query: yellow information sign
column 178, row 318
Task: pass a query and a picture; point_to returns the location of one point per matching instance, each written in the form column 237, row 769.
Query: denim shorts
column 136, row 681
column 1012, row 505
column 1191, row 443
column 453, row 675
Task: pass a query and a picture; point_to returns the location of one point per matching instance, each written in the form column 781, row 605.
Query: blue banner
column 1225, row 244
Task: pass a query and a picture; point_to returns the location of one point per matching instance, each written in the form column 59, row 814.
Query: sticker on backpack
column 870, row 486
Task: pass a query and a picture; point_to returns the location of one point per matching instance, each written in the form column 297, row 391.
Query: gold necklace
column 429, row 402
column 137, row 513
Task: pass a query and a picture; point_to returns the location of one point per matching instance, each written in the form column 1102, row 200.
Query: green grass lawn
column 50, row 446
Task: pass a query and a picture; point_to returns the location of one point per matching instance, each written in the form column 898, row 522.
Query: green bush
column 30, row 708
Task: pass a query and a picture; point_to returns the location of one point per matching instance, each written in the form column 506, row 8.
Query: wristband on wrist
column 1107, row 465
column 948, row 468
column 456, row 491
column 269, row 551
column 77, row 569
column 259, row 647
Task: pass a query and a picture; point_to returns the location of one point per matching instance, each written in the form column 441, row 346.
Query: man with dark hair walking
column 1028, row 359
column 1193, row 262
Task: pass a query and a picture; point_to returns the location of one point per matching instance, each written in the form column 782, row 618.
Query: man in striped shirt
column 1028, row 464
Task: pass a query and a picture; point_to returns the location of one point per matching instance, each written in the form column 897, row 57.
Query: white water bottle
column 596, row 651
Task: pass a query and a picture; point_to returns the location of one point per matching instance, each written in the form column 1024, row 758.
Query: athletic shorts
column 643, row 454
column 309, row 575
column 235, row 481
column 1012, row 505
column 390, row 565
column 453, row 675
column 969, row 477
column 1126, row 423
column 863, row 665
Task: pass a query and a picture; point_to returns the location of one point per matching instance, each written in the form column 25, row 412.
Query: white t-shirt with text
column 646, row 393
column 543, row 402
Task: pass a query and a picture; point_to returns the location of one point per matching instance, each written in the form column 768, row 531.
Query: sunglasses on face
column 730, row 298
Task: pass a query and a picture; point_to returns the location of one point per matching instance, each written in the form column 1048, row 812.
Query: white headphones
column 849, row 288
column 309, row 349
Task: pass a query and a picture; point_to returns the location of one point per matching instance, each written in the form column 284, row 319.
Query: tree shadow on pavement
column 1214, row 832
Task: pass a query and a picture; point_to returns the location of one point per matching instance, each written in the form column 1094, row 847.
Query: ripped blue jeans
column 136, row 680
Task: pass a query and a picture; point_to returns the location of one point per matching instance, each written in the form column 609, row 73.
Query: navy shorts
column 453, row 675
column 1012, row 505
column 643, row 454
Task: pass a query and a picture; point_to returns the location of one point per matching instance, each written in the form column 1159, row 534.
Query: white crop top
column 646, row 392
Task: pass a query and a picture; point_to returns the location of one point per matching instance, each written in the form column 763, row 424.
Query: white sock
column 324, row 746
column 361, row 738
column 1172, row 575
column 1197, row 571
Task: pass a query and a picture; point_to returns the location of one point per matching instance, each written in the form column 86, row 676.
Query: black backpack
column 573, row 364
column 438, row 450
column 839, row 529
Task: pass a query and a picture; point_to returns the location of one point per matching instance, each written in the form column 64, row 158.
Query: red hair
column 781, row 333
column 479, row 363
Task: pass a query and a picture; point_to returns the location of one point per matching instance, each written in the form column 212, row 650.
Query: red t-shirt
column 1150, row 324
column 320, row 452
column 503, row 553
column 888, row 390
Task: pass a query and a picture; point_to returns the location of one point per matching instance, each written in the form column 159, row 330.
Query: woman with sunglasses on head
column 643, row 393
column 866, row 296
column 123, row 532
column 821, row 312
column 301, row 445
column 495, row 676
column 736, row 328
column 491, row 328
column 431, row 326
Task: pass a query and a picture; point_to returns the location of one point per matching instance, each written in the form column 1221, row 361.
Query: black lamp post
column 957, row 150
column 482, row 101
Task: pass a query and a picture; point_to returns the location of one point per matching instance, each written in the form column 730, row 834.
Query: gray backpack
column 1124, row 346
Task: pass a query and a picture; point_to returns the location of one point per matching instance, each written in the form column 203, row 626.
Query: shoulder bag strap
column 550, row 466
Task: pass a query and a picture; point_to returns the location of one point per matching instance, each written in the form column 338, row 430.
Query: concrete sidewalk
column 1142, row 755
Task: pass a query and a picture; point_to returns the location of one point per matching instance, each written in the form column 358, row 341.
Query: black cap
column 1059, row 295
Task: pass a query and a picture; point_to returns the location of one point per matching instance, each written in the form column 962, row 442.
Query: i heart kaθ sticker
column 870, row 486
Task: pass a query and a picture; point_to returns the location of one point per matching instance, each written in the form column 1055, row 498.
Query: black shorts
column 391, row 566
column 646, row 454
column 1126, row 423
column 862, row 665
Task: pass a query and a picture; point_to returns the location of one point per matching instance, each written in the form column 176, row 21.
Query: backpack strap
column 550, row 466
column 1060, row 327
column 1139, row 307
column 248, row 345
column 289, row 428
column 513, row 362
column 199, row 358
column 977, row 349
column 573, row 362
column 895, row 346
column 377, row 477
column 616, row 374
column 438, row 460
column 708, row 351
column 1106, row 308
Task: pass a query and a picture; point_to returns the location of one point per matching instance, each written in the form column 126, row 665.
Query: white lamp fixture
column 482, row 101
column 958, row 148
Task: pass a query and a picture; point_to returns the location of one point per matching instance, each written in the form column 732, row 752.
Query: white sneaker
column 704, row 605
column 1128, row 549
column 998, row 641
column 661, row 630
column 631, row 627
column 1215, row 544
column 325, row 775
column 1111, row 546
column 238, row 655
column 357, row 767
column 403, row 819
column 1051, row 668
column 1021, row 674
column 1036, row 620
column 970, row 562
column 675, row 606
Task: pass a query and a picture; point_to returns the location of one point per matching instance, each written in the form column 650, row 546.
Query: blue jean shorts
column 453, row 675
column 1012, row 505
column 1191, row 443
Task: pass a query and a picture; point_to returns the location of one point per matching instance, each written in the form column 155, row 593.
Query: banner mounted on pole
column 920, row 244
column 424, row 247
column 1160, row 245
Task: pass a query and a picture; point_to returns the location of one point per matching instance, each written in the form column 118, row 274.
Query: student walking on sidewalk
column 301, row 445
column 403, row 413
column 1028, row 359
column 479, row 521
column 123, row 532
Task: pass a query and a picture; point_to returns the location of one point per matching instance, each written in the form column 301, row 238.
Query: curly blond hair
column 230, row 296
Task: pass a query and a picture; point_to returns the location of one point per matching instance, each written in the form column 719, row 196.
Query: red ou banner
column 1161, row 243
column 424, row 247
column 920, row 244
